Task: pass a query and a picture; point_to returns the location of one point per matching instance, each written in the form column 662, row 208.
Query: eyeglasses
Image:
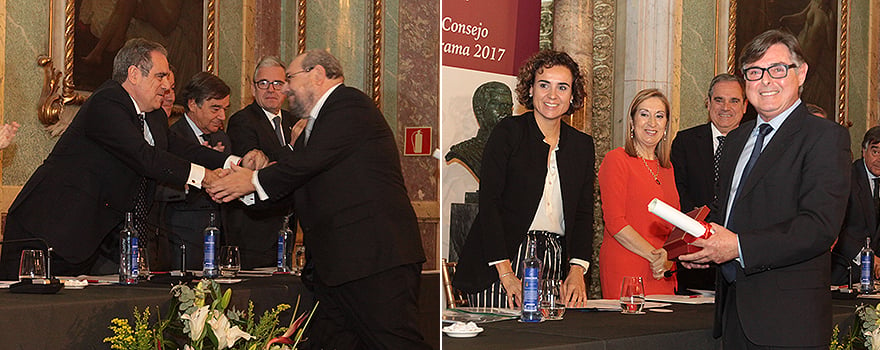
column 776, row 71
column 264, row 84
column 291, row 75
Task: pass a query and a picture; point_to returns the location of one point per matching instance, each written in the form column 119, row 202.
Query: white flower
column 197, row 322
column 226, row 336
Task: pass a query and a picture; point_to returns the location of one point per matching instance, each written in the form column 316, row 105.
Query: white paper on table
column 677, row 218
column 681, row 299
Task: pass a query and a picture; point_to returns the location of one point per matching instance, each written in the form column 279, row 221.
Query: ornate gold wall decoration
column 300, row 27
column 545, row 41
column 603, row 109
column 51, row 104
column 377, row 53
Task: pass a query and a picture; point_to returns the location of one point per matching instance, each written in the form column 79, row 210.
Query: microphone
column 48, row 285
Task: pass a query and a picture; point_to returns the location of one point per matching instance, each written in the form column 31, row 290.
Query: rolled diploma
column 677, row 218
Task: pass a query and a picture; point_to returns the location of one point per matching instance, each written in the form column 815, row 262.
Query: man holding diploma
column 783, row 185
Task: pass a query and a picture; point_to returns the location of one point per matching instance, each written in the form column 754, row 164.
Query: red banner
column 494, row 36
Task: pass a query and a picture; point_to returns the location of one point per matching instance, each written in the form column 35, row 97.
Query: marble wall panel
column 26, row 38
column 344, row 28
column 697, row 61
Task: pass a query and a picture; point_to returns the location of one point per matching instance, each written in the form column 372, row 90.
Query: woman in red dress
column 629, row 178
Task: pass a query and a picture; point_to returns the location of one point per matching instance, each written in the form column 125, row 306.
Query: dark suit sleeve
column 580, row 237
column 820, row 189
column 182, row 145
column 679, row 163
column 242, row 135
column 338, row 133
column 493, row 175
column 114, row 128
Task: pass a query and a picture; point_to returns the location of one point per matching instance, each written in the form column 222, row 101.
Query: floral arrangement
column 200, row 319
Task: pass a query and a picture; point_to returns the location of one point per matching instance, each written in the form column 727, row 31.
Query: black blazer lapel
column 780, row 142
column 865, row 196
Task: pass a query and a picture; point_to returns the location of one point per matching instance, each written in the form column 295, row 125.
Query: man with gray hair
column 262, row 125
column 695, row 155
column 105, row 164
column 363, row 248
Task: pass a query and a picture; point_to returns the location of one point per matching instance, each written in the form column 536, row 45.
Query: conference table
column 687, row 327
column 78, row 319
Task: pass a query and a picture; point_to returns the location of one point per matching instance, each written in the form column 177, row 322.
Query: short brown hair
column 756, row 48
column 203, row 86
column 547, row 59
column 663, row 148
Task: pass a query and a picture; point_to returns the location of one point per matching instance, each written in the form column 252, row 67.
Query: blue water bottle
column 209, row 268
column 531, row 282
column 866, row 257
column 128, row 252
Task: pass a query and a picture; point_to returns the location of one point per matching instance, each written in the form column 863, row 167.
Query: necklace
column 656, row 179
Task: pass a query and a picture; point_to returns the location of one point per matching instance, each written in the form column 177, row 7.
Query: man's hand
column 513, row 287
column 720, row 248
column 574, row 289
column 235, row 184
column 219, row 147
column 211, row 177
column 297, row 129
column 255, row 160
column 7, row 133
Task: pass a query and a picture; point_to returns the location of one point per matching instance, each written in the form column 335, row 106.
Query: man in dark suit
column 695, row 154
column 265, row 126
column 187, row 212
column 861, row 214
column 363, row 249
column 105, row 164
column 784, row 180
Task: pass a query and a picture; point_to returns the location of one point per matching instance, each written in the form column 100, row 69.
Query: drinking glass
column 299, row 259
column 33, row 264
column 632, row 296
column 143, row 261
column 230, row 261
column 552, row 306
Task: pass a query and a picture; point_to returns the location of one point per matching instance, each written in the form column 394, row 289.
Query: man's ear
column 134, row 74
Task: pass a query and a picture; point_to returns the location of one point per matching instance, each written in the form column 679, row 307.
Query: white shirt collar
column 194, row 128
column 270, row 116
column 320, row 104
column 137, row 109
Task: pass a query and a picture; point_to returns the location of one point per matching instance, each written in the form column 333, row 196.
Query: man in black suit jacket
column 187, row 211
column 861, row 214
column 77, row 198
column 363, row 248
column 693, row 158
column 780, row 218
column 255, row 230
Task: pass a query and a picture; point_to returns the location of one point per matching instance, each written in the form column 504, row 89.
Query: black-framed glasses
column 264, row 84
column 776, row 71
column 291, row 75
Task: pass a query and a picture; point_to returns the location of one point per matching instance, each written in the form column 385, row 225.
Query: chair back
column 454, row 297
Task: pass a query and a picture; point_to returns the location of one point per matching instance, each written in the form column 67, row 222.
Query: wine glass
column 632, row 296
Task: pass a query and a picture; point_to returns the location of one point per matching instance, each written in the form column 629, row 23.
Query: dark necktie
column 278, row 131
column 877, row 198
column 728, row 269
column 140, row 199
column 718, row 154
column 207, row 138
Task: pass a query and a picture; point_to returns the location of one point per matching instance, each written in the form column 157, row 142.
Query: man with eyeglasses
column 262, row 125
column 783, row 185
column 106, row 163
column 363, row 249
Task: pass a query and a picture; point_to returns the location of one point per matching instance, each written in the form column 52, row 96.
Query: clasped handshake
column 225, row 185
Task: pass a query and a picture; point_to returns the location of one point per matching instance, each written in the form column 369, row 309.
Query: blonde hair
column 663, row 148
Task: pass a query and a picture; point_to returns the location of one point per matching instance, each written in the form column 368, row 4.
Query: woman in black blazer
column 536, row 179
